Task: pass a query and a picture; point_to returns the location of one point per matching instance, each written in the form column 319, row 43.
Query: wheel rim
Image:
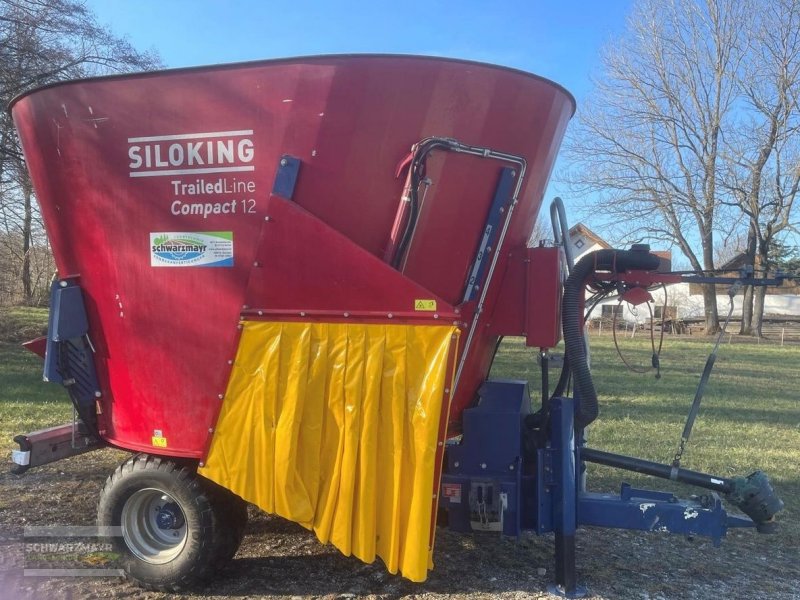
column 153, row 526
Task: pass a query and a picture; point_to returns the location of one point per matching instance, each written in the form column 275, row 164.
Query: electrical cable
column 656, row 356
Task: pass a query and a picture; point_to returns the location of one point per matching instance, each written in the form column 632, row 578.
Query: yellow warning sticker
column 424, row 304
column 158, row 440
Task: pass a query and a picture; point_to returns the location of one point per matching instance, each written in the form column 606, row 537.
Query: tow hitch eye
column 755, row 497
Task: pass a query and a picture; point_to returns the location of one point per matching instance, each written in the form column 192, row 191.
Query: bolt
column 513, row 173
column 230, row 362
column 210, row 430
column 435, row 316
column 256, row 264
column 510, row 467
column 220, row 396
column 446, row 390
column 390, row 315
column 266, row 218
column 245, row 307
column 98, row 394
column 302, row 313
column 347, row 314
column 261, row 313
column 483, row 465
column 456, row 464
column 284, row 162
column 440, row 443
column 62, row 283
column 202, row 464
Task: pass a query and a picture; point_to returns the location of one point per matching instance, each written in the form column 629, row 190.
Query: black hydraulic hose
column 615, row 261
column 563, row 379
column 417, row 174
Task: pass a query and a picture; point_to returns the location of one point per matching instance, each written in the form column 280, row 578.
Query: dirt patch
column 279, row 559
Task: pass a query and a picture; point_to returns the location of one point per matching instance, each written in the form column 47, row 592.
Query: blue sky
column 558, row 39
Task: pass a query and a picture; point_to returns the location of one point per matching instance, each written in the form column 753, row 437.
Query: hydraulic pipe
column 558, row 218
column 638, row 465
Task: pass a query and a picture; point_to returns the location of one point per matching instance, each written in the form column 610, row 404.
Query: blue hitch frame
column 69, row 361
column 496, row 480
column 69, row 356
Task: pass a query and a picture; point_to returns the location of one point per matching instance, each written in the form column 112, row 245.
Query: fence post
column 783, row 333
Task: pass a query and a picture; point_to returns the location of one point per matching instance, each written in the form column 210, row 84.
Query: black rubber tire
column 205, row 528
column 230, row 512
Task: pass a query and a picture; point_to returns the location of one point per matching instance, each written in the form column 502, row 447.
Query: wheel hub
column 169, row 516
column 153, row 526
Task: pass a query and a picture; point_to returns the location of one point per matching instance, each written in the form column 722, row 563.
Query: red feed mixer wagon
column 284, row 282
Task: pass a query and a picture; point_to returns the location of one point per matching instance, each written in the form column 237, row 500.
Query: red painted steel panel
column 543, row 310
column 304, row 265
column 509, row 311
column 110, row 182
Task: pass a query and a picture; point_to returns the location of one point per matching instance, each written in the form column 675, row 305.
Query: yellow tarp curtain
column 335, row 426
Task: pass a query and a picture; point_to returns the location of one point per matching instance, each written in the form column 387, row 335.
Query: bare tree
column 43, row 41
column 649, row 144
column 763, row 153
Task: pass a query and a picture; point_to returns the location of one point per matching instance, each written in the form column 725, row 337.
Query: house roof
column 732, row 267
column 735, row 263
column 666, row 254
column 581, row 229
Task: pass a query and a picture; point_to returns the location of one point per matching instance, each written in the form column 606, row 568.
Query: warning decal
column 452, row 491
column 158, row 440
column 428, row 305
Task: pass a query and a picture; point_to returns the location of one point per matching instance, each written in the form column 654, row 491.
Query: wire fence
column 782, row 333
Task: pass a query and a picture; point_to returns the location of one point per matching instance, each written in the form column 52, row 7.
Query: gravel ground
column 279, row 559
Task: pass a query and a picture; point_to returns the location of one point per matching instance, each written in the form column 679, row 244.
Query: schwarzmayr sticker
column 191, row 249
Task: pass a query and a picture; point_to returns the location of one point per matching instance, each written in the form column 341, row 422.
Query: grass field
column 750, row 419
column 26, row 403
